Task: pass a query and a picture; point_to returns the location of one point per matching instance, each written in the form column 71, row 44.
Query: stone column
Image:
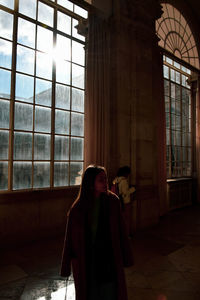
column 136, row 91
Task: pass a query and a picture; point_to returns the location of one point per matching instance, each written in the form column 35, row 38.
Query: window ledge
column 178, row 179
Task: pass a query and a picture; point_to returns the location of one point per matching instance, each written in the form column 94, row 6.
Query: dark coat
column 75, row 245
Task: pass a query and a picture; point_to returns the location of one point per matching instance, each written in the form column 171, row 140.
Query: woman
column 96, row 244
column 124, row 192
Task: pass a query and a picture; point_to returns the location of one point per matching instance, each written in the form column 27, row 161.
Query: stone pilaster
column 134, row 102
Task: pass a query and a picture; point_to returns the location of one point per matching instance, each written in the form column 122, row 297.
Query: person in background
column 96, row 243
column 124, row 192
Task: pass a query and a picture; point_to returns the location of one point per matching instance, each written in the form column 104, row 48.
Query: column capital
column 144, row 10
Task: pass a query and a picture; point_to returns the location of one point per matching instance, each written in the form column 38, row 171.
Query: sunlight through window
column 64, row 293
column 43, row 122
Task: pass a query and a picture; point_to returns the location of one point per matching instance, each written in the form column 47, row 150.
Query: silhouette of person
column 96, row 244
column 125, row 194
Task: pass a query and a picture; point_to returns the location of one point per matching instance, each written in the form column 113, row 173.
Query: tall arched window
column 176, row 38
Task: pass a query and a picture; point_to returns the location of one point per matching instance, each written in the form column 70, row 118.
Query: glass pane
column 184, row 154
column 5, row 54
column 172, row 74
column 8, row 3
column 173, row 90
column 26, row 33
column 25, row 60
column 43, row 92
column 188, row 98
column 77, row 100
column 184, row 139
column 4, row 113
column 61, row 148
column 78, row 76
column 80, row 11
column 22, row 146
column 77, row 124
column 75, row 31
column 41, row 175
column 184, row 69
column 44, row 65
column 168, row 153
column 22, row 173
column 167, row 117
column 23, row 116
column 61, row 174
column 189, row 139
column 3, row 175
column 177, row 65
column 184, row 80
column 64, row 23
column 189, row 153
column 44, row 39
column 76, row 149
column 24, row 89
column 42, row 119
column 173, row 105
column 184, row 94
column 167, row 137
column 76, row 170
column 184, row 109
column 188, row 84
column 63, row 48
column 178, row 154
column 184, row 169
column 173, row 120
column 178, row 77
column 166, row 71
column 28, row 8
column 178, row 92
column 63, row 71
column 184, row 123
column 62, row 96
column 65, row 3
column 5, row 80
column 189, row 126
column 6, row 25
column 167, row 110
column 42, row 146
column 173, row 137
column 4, row 144
column 78, row 53
column 178, row 138
column 45, row 14
column 62, row 119
column 166, row 87
column 178, row 123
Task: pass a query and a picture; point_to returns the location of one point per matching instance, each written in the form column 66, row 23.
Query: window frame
column 192, row 122
column 12, row 100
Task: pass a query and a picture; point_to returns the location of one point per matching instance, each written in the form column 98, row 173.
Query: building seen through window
column 42, row 81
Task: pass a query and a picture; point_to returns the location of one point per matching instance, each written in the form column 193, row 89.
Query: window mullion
column 12, row 99
column 53, row 106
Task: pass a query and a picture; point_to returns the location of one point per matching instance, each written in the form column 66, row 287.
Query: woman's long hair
column 86, row 192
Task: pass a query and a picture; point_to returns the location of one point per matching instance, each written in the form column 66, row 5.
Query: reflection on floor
column 167, row 264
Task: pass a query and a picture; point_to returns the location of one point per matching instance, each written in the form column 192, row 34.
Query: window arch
column 176, row 36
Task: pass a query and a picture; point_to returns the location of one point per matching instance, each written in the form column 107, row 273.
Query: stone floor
column 167, row 264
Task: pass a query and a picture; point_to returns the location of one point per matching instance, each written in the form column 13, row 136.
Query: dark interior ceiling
column 195, row 7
